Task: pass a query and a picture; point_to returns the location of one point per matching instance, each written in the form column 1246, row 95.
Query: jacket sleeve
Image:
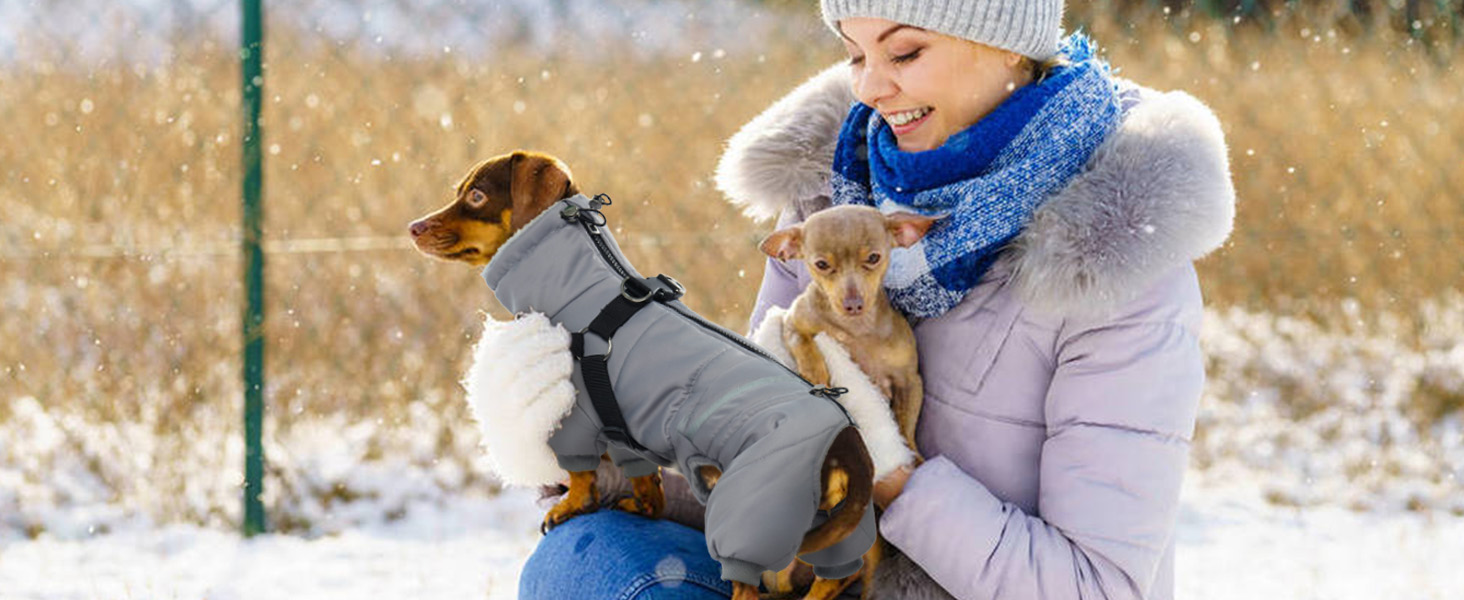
column 1120, row 413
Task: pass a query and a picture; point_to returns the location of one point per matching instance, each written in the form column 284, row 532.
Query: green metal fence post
column 252, row 54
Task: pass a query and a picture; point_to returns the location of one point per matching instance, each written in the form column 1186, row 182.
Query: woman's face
column 927, row 86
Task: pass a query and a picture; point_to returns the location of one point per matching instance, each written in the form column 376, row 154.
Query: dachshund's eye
column 873, row 258
column 822, row 264
column 477, row 198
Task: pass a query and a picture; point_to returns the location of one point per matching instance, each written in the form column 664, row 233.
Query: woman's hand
column 889, row 487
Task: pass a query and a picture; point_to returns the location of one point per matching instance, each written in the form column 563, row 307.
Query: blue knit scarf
column 987, row 180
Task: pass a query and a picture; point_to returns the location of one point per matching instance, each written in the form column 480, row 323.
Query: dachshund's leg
column 828, row 589
column 646, row 497
column 582, row 498
column 742, row 591
column 871, row 562
column 781, row 583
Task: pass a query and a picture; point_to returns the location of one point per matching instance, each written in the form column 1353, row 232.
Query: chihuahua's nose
column 418, row 228
column 853, row 305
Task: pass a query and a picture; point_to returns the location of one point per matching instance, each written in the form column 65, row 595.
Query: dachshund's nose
column 418, row 228
column 854, row 305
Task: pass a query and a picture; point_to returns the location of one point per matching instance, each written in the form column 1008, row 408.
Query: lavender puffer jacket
column 1061, row 393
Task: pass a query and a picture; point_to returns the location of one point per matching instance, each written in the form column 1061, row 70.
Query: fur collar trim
column 1156, row 194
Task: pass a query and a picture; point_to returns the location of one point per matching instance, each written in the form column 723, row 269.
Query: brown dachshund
column 501, row 195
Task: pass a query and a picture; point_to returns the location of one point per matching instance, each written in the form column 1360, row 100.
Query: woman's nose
column 872, row 85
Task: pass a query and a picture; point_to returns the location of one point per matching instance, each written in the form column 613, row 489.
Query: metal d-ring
column 625, row 291
column 609, row 342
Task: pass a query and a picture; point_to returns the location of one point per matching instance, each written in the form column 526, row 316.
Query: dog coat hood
column 692, row 396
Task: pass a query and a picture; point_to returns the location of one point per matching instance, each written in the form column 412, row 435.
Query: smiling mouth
column 905, row 121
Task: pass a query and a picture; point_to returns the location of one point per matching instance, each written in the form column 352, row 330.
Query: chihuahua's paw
column 815, row 372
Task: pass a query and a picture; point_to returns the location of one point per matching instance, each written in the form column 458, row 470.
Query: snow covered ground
column 1232, row 545
column 1326, row 465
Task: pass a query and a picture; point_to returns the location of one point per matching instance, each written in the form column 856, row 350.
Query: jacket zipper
column 593, row 230
column 620, row 270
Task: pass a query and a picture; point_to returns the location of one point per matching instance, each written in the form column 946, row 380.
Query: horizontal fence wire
column 688, row 241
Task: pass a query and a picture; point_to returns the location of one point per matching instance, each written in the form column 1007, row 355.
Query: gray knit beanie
column 1031, row 28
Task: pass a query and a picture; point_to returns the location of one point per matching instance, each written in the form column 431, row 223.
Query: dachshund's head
column 497, row 198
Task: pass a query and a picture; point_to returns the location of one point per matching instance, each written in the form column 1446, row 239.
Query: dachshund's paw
column 635, row 505
column 565, row 510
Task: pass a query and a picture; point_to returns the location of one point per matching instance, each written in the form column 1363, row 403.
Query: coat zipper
column 621, row 271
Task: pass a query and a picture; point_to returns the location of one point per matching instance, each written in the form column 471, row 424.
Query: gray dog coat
column 691, row 394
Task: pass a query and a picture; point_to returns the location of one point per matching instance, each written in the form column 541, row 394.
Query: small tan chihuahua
column 846, row 249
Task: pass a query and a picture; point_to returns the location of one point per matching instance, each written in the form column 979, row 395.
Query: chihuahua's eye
column 822, row 264
column 476, row 198
column 873, row 258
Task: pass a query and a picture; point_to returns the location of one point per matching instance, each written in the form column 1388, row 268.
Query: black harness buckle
column 660, row 287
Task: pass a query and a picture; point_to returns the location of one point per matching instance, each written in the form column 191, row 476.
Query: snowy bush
column 1366, row 417
column 68, row 477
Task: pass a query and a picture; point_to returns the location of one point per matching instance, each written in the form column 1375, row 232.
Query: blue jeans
column 613, row 555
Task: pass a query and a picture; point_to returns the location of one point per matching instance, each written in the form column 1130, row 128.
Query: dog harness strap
column 615, row 314
column 597, row 382
column 596, row 369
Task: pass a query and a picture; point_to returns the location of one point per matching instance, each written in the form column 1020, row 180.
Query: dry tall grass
column 120, row 277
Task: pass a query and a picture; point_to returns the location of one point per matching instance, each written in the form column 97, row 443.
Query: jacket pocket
column 958, row 349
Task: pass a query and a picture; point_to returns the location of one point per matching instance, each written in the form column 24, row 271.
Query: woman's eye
column 873, row 258
column 904, row 58
column 855, row 61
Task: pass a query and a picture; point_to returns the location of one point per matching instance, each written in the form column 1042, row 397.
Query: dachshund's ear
column 539, row 180
column 784, row 244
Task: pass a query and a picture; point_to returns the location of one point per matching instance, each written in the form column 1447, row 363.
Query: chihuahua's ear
column 784, row 244
column 908, row 228
column 539, row 180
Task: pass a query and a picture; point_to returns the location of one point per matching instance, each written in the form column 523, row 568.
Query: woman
column 1056, row 307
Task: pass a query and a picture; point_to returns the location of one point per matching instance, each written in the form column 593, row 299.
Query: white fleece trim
column 519, row 389
column 869, row 409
